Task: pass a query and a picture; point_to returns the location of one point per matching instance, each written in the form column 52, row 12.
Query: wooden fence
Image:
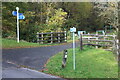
column 109, row 41
column 51, row 37
column 99, row 40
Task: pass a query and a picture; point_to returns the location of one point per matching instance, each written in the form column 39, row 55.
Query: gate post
column 42, row 38
column 58, row 37
column 96, row 40
column 51, row 37
column 37, row 36
column 65, row 36
column 88, row 38
column 117, row 46
column 81, row 43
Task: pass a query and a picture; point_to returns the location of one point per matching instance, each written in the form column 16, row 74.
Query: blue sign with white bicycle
column 73, row 29
column 21, row 16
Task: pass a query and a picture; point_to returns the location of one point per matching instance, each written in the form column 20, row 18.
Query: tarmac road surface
column 31, row 58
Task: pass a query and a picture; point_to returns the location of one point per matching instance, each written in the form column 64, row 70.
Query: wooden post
column 64, row 58
column 104, row 36
column 65, row 36
column 97, row 39
column 37, row 37
column 51, row 37
column 117, row 46
column 81, row 44
column 118, row 50
column 88, row 38
column 58, row 37
column 114, row 43
column 42, row 38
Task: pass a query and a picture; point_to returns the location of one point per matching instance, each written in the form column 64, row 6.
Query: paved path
column 34, row 58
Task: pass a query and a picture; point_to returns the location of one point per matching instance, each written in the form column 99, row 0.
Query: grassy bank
column 8, row 43
column 90, row 63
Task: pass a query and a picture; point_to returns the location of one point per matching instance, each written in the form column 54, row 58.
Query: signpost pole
column 17, row 8
column 73, row 50
column 19, row 16
column 73, row 30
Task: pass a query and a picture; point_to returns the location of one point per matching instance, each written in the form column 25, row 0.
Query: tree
column 108, row 11
column 28, row 27
column 78, row 13
column 49, row 16
column 57, row 20
column 36, row 16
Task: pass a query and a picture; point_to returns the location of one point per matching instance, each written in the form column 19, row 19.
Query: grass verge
column 10, row 44
column 90, row 63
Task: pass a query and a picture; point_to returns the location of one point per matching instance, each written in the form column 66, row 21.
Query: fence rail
column 51, row 37
column 52, row 32
column 102, row 45
column 100, row 40
column 99, row 35
column 110, row 41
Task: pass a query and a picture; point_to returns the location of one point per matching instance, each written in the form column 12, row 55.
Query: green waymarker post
column 73, row 30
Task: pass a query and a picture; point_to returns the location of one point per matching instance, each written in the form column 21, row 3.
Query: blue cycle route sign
column 21, row 16
column 73, row 29
column 14, row 13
